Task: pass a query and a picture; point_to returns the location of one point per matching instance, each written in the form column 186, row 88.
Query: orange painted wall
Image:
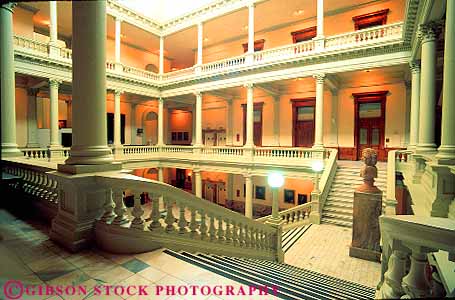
column 180, row 120
column 23, row 22
column 21, row 116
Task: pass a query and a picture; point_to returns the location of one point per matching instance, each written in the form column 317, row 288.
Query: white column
column 229, row 122
column 320, row 19
column 249, row 116
column 32, row 129
column 7, row 82
column 118, row 33
column 334, row 119
column 160, row 122
column 427, row 34
column 161, row 67
column 319, row 114
column 200, row 39
column 53, row 96
column 133, row 123
column 230, row 187
column 53, row 22
column 415, row 105
column 405, row 141
column 447, row 149
column 117, row 120
column 251, row 28
column 198, row 133
column 197, row 182
column 276, row 121
column 89, row 87
column 248, row 196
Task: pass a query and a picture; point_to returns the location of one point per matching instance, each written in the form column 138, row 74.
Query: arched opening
column 150, row 125
column 151, row 68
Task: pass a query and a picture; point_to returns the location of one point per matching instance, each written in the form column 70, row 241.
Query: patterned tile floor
column 27, row 255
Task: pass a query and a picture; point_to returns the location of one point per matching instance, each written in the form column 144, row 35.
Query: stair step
column 342, row 205
column 293, row 282
column 336, row 222
column 291, row 238
column 337, row 216
column 338, row 211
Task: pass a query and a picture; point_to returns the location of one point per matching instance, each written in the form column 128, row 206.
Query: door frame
column 369, row 97
column 299, row 102
column 256, row 106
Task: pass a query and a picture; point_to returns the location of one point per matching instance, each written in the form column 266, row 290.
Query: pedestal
column 365, row 226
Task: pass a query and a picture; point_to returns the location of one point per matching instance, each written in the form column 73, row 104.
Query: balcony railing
column 347, row 41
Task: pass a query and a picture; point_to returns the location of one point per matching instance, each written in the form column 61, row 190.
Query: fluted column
column 118, row 34
column 7, row 83
column 229, row 122
column 447, row 149
column 32, row 129
column 161, row 61
column 133, row 123
column 200, row 39
column 405, row 140
column 197, row 183
column 53, row 22
column 53, row 96
column 427, row 34
column 160, row 122
column 415, row 105
column 249, row 142
column 276, row 121
column 248, row 196
column 89, row 85
column 117, row 120
column 250, row 51
column 319, row 115
column 334, row 119
column 198, row 133
column 320, row 19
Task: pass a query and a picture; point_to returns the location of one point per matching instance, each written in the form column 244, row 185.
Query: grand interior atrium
column 227, row 149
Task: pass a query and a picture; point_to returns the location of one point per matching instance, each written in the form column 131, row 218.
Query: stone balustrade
column 293, row 217
column 415, row 239
column 187, row 223
column 343, row 42
column 44, row 153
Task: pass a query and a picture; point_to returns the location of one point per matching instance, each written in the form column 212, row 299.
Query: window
column 305, row 113
column 376, row 18
column 258, row 46
column 289, row 196
column 303, row 35
column 302, row 199
column 370, row 110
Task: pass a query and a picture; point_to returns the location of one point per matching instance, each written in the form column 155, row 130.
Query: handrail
column 292, row 217
column 394, row 158
column 224, row 63
column 30, row 44
column 414, row 236
column 216, row 224
column 325, row 183
column 286, row 51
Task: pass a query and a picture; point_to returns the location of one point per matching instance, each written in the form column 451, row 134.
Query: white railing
column 140, row 150
column 30, row 44
column 45, row 153
column 190, row 223
column 36, row 184
column 284, row 52
column 140, row 73
column 66, row 53
column 222, row 151
column 413, row 238
column 289, row 153
column 178, row 74
column 176, row 149
column 293, row 217
column 325, row 184
column 378, row 34
column 110, row 65
column 394, row 160
column 224, row 64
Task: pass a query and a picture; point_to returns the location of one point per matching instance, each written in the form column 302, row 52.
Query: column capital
column 429, row 31
column 319, row 78
column 118, row 19
column 32, row 92
column 160, row 100
column 249, row 85
column 197, row 93
column 9, row 6
column 54, row 82
column 251, row 4
column 118, row 92
column 414, row 66
column 334, row 92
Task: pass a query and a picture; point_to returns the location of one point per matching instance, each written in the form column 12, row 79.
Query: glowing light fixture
column 275, row 180
column 317, row 166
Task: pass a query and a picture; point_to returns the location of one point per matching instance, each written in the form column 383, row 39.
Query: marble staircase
column 339, row 203
column 290, row 282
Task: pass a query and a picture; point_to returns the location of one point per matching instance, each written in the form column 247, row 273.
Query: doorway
column 303, row 114
column 370, row 122
column 257, row 126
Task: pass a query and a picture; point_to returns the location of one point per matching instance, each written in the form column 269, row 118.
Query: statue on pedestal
column 369, row 171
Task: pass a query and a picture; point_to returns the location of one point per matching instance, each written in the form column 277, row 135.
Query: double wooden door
column 303, row 122
column 370, row 134
column 257, row 124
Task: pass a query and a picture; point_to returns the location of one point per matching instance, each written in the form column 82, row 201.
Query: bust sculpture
column 369, row 171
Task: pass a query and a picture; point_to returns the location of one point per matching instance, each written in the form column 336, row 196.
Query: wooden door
column 370, row 123
column 257, row 125
column 303, row 122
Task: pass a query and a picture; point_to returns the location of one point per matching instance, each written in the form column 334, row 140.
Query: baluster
column 415, row 284
column 137, row 213
column 54, row 197
column 155, row 214
column 169, row 220
column 241, row 235
column 235, row 236
column 220, row 232
column 182, row 221
column 212, row 230
column 228, row 236
column 253, row 238
column 391, row 287
column 193, row 223
column 120, row 208
column 203, row 227
column 248, row 233
column 108, row 207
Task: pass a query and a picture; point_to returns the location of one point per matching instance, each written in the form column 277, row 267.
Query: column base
column 10, row 150
column 55, row 152
column 33, row 145
column 81, row 169
column 118, row 152
column 94, row 155
column 411, row 147
column 426, row 148
column 446, row 155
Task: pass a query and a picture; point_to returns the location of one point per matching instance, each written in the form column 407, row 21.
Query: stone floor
column 325, row 249
column 27, row 255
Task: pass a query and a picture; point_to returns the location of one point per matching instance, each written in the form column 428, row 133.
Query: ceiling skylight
column 164, row 10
